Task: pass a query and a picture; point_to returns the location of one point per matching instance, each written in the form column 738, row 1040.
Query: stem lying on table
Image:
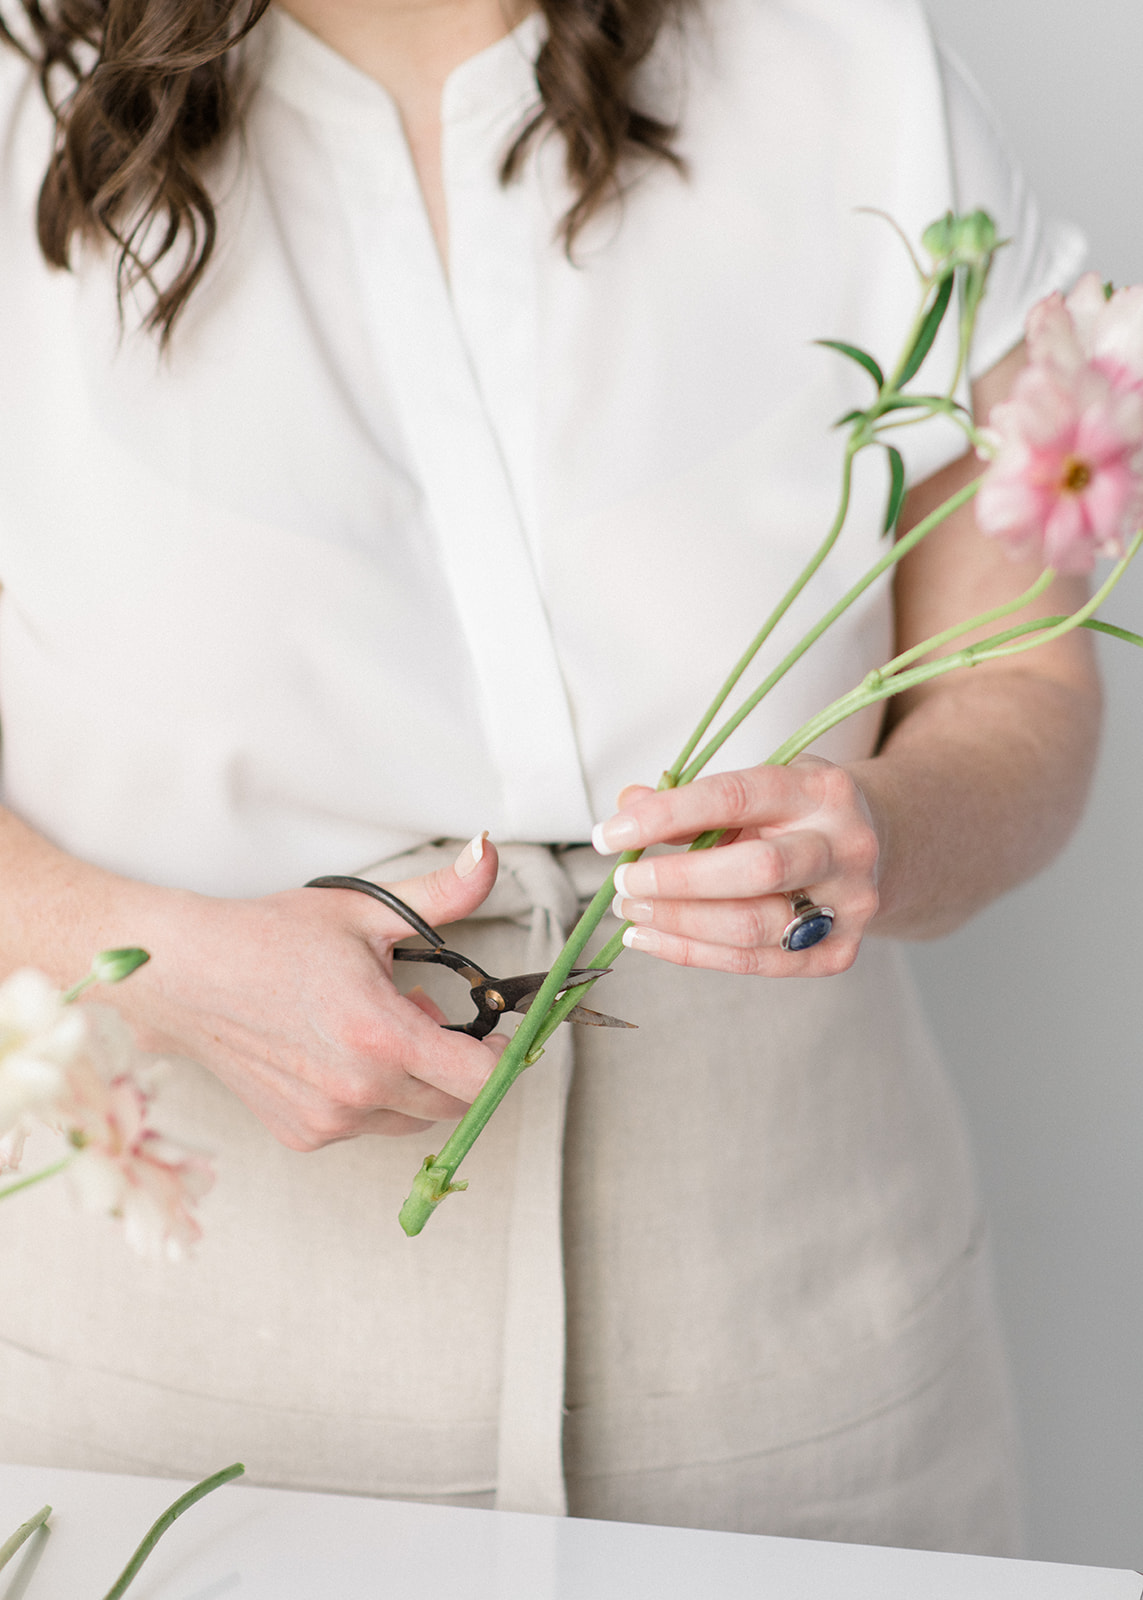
column 171, row 1514
column 23, row 1532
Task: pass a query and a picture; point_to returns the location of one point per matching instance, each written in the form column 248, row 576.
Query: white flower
column 39, row 1038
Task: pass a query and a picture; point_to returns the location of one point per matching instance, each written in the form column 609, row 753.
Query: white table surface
column 243, row 1543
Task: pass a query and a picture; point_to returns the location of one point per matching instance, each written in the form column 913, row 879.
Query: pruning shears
column 491, row 996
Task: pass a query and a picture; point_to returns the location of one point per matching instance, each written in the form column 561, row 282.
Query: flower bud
column 968, row 241
column 112, row 966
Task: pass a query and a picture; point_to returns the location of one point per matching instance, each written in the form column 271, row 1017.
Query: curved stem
column 1027, row 636
column 959, row 629
column 1077, row 618
column 776, row 615
column 170, row 1515
column 906, row 543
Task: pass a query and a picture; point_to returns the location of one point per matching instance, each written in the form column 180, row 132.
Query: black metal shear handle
column 491, row 996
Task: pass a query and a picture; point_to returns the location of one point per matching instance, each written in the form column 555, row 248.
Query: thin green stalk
column 170, row 1515
column 907, row 542
column 1078, row 618
column 959, row 629
column 880, row 685
column 23, row 1532
column 35, row 1177
column 776, row 615
column 435, row 1179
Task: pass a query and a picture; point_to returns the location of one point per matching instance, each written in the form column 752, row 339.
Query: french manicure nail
column 618, row 833
column 471, row 856
column 632, row 910
column 642, row 939
column 620, row 880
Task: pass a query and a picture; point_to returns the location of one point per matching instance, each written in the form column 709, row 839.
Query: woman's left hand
column 802, row 827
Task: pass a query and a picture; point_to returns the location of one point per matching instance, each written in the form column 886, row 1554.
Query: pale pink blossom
column 1066, row 479
column 1087, row 327
column 124, row 1166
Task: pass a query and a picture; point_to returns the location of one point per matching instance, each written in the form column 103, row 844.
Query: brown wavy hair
column 146, row 92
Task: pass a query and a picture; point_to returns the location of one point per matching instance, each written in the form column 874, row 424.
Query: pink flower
column 125, row 1167
column 1066, row 480
column 1088, row 328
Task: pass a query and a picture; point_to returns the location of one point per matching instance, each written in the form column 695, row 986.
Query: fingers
column 825, row 960
column 803, row 828
column 750, row 868
column 452, row 892
column 755, row 797
column 449, row 894
column 425, row 1003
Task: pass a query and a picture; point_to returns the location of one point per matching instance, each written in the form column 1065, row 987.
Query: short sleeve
column 1043, row 254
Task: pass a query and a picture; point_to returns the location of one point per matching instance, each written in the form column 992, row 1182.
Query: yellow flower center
column 1076, row 475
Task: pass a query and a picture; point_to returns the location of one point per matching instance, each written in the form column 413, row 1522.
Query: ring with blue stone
column 811, row 923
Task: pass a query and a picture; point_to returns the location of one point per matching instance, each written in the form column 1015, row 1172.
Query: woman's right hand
column 289, row 1000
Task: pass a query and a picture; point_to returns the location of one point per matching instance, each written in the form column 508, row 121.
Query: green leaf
column 896, row 488
column 862, row 357
column 850, row 416
column 929, row 330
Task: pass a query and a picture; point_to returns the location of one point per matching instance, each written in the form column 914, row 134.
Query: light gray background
column 1039, row 1004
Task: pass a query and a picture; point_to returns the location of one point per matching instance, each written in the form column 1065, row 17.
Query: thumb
column 452, row 893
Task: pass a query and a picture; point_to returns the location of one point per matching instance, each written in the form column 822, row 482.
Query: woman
column 452, row 493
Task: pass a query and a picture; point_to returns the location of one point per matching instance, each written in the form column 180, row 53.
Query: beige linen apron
column 778, row 1316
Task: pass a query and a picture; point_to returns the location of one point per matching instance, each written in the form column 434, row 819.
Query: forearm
column 978, row 785
column 57, row 911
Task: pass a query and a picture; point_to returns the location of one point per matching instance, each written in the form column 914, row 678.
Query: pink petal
column 1068, row 545
column 1052, row 337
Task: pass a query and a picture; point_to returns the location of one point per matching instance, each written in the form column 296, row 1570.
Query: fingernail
column 642, row 939
column 632, row 910
column 619, row 833
column 620, row 880
column 471, row 856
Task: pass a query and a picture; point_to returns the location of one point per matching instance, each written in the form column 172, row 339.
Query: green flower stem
column 907, row 542
column 435, row 1179
column 73, row 994
column 1085, row 612
column 170, row 1515
column 23, row 1532
column 35, row 1177
column 959, row 629
column 881, row 685
column 1112, row 631
column 778, row 612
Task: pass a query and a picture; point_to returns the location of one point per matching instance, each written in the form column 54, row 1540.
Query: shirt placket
column 471, row 463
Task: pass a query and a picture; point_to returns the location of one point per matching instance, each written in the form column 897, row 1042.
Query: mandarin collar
column 303, row 70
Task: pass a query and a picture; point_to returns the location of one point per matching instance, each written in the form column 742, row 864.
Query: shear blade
column 596, row 1019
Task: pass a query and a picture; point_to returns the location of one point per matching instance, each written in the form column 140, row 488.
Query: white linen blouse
column 382, row 553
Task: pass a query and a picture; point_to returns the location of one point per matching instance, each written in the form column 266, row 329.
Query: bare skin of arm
column 979, row 780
